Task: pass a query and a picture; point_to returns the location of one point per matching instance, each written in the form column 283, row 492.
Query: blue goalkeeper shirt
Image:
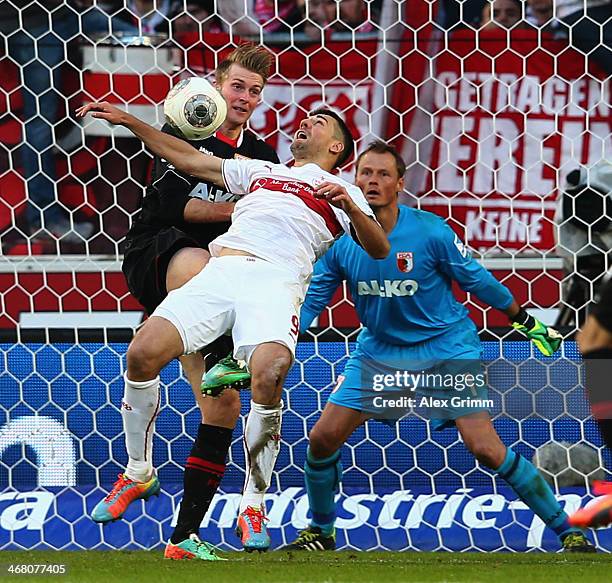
column 406, row 298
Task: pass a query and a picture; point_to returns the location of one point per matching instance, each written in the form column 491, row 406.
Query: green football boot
column 192, row 548
column 226, row 374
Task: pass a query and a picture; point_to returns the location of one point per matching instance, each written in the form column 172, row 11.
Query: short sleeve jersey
column 279, row 219
column 170, row 190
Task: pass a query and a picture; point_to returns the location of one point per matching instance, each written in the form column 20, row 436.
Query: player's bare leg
column 595, row 343
column 323, row 473
column 483, row 442
column 226, row 373
column 185, row 263
column 269, row 365
column 205, row 465
column 333, row 428
column 481, row 439
column 156, row 344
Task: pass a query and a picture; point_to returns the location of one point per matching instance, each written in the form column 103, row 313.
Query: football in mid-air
column 194, row 108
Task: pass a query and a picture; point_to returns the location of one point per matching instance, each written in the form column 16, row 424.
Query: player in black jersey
column 165, row 247
column 595, row 343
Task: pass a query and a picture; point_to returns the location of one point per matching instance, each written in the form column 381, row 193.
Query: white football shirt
column 280, row 220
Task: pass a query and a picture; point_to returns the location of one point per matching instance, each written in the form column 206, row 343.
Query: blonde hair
column 254, row 58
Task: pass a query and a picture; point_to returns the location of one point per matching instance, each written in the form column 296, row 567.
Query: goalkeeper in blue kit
column 411, row 317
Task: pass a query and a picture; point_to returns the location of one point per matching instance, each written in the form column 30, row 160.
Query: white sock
column 261, row 448
column 139, row 409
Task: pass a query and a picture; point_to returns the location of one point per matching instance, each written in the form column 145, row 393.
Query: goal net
column 505, row 126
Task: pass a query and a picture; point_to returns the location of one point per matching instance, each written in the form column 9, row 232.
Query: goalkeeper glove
column 547, row 340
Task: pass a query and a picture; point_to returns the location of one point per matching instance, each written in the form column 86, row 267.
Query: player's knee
column 490, row 455
column 322, row 441
column 142, row 363
column 266, row 381
column 223, row 410
column 233, row 408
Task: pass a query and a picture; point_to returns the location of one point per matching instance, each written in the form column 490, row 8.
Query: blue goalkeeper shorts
column 444, row 391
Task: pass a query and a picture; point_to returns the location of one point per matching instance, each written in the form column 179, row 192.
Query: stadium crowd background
column 48, row 165
column 392, row 68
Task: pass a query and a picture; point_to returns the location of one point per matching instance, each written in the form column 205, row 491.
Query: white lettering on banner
column 386, row 518
column 449, row 510
column 503, row 226
column 485, row 155
column 360, row 512
column 299, row 516
column 555, row 95
column 29, row 510
column 454, row 509
column 52, row 443
column 496, row 170
column 511, row 138
column 601, row 144
column 416, row 516
column 487, row 503
column 525, row 93
column 527, row 99
column 455, row 152
column 538, row 157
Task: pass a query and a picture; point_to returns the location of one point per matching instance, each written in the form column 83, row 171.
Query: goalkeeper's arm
column 546, row 339
column 183, row 156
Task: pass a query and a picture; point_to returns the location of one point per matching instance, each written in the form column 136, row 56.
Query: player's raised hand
column 336, row 195
column 104, row 110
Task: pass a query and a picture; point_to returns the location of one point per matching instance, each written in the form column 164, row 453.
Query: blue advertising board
column 405, row 486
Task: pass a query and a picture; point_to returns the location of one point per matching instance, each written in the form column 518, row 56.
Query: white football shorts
column 255, row 299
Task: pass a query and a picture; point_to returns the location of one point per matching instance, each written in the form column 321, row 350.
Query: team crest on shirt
column 405, row 262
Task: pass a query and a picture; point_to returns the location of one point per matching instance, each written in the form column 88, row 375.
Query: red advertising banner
column 512, row 115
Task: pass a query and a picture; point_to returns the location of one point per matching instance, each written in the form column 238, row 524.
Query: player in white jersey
column 255, row 282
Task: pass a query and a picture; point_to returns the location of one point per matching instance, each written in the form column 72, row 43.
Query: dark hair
column 380, row 147
column 346, row 136
column 254, row 58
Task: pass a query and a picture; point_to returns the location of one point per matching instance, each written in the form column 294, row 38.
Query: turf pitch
column 281, row 567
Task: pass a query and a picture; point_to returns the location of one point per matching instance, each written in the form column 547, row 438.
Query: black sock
column 203, row 472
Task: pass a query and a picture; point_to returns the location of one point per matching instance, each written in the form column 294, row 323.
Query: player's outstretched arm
column 182, row 155
column 456, row 260
column 370, row 234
